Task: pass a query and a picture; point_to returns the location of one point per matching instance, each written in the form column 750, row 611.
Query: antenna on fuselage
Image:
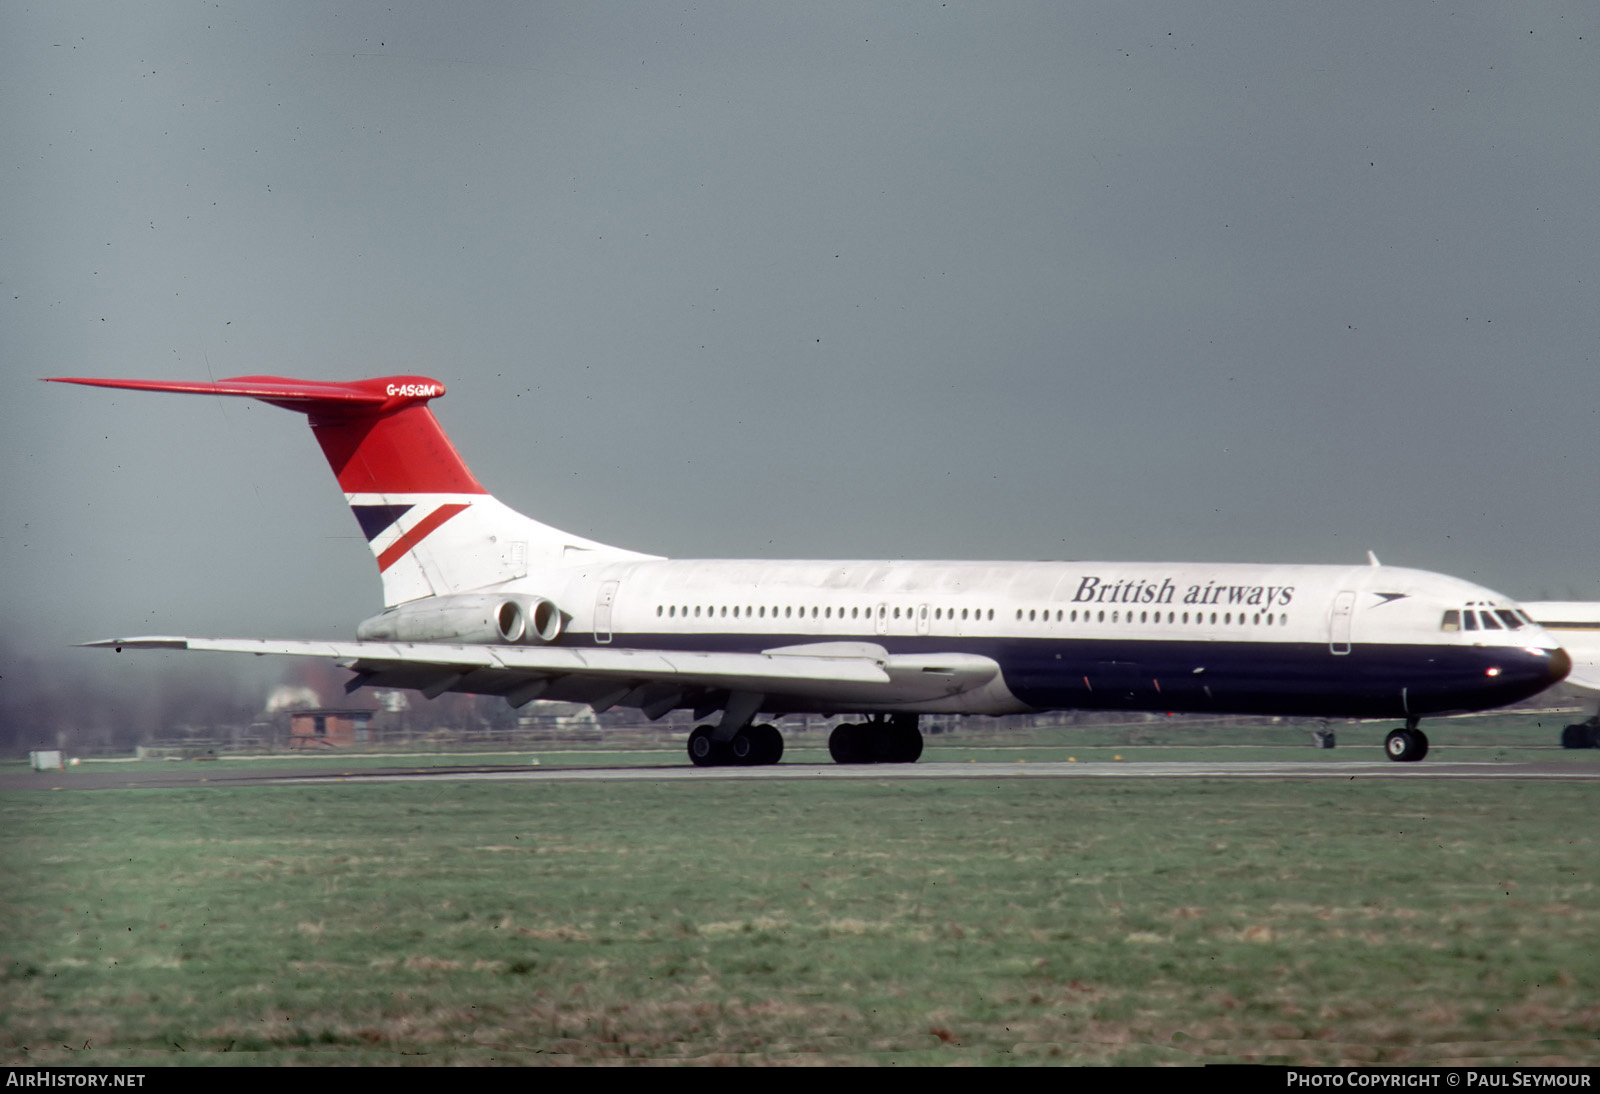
column 1372, row 559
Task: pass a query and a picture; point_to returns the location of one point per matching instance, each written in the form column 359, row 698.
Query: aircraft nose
column 1559, row 665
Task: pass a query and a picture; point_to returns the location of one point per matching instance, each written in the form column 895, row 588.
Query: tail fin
column 432, row 528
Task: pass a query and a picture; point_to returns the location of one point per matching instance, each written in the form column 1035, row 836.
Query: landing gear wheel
column 877, row 743
column 893, row 740
column 844, row 744
column 1406, row 745
column 704, row 750
column 906, row 743
column 742, row 750
column 1577, row 736
column 769, row 743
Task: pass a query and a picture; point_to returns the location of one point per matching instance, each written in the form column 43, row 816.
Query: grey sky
column 1166, row 281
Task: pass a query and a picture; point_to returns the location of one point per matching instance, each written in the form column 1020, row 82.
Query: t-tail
column 433, row 529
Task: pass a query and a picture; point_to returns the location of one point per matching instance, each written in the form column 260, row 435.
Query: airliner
column 481, row 599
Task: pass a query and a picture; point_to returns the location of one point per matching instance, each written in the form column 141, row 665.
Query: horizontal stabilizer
column 385, row 393
column 431, row 526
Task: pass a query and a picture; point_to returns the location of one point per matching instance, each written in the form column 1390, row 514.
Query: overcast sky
column 1224, row 281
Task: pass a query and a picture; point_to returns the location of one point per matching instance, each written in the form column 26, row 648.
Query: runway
column 199, row 775
column 907, row 772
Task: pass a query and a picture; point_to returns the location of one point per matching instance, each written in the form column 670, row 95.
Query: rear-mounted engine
column 476, row 618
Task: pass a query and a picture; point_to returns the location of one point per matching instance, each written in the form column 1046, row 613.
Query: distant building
column 329, row 728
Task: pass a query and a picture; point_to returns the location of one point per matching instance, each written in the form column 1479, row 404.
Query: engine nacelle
column 474, row 618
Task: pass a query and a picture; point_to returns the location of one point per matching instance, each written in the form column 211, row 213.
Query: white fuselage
column 1273, row 638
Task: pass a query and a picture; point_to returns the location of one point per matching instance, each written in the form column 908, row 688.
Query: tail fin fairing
column 433, row 529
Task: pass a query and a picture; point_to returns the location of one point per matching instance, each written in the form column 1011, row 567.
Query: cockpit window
column 1451, row 621
column 1509, row 618
column 1469, row 621
column 1490, row 623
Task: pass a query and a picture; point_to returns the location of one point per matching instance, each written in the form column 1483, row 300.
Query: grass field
column 1025, row 921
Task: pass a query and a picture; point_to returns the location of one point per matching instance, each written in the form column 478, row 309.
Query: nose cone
column 1560, row 663
column 1517, row 674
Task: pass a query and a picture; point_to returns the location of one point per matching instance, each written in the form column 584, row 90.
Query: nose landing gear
column 1406, row 745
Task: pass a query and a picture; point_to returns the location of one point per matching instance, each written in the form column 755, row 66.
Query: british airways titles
column 1096, row 590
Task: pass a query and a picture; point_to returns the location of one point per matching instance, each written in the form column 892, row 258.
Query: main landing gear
column 750, row 747
column 1407, row 745
column 892, row 739
column 882, row 739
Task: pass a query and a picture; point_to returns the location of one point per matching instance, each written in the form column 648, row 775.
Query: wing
column 819, row 678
